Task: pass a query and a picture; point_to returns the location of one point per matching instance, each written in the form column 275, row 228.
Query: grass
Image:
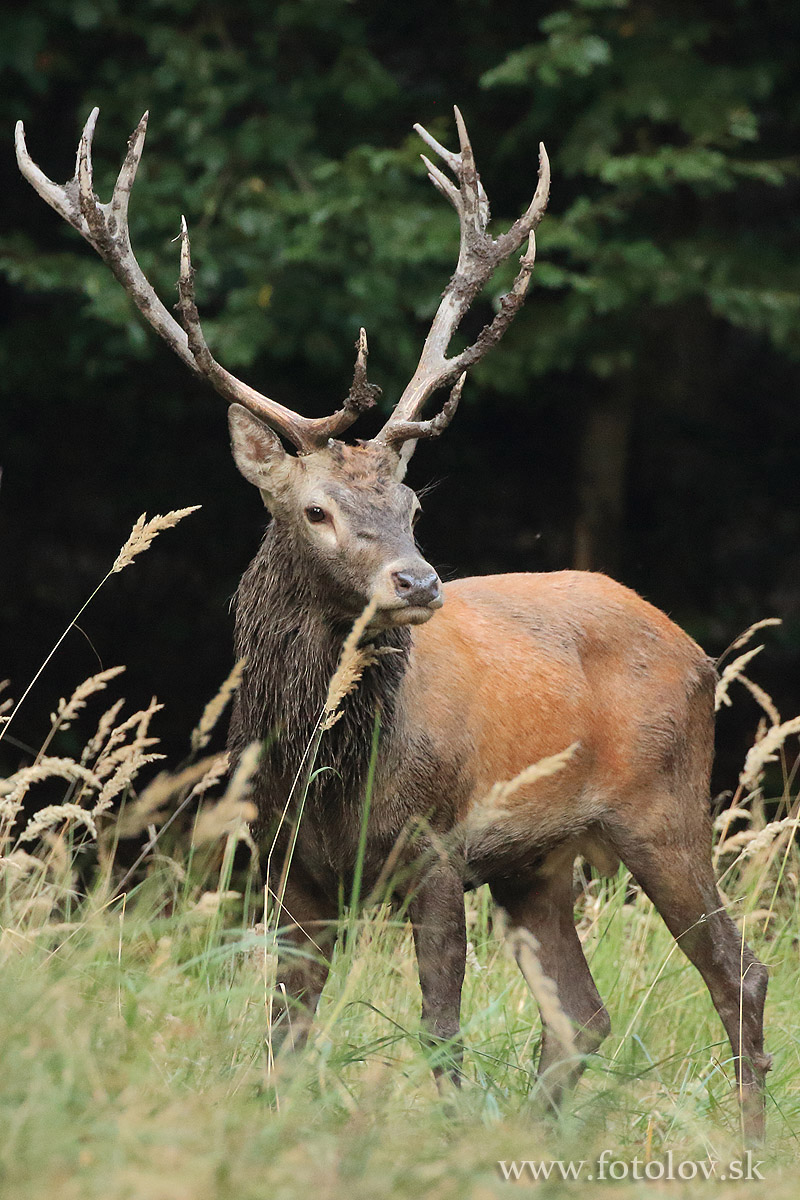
column 132, row 1018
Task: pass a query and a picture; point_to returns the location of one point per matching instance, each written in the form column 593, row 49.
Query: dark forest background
column 641, row 417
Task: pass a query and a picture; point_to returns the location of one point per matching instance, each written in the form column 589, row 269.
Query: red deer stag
column 513, row 669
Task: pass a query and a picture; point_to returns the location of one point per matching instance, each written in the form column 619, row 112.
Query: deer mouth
column 414, row 614
column 396, row 615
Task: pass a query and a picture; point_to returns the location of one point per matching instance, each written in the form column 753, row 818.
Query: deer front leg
column 440, row 938
column 307, row 927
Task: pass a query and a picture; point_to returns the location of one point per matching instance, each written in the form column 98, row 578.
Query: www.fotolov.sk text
column 610, row 1168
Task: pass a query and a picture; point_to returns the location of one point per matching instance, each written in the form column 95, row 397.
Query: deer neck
column 291, row 635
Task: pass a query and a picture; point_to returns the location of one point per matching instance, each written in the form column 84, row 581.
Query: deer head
column 347, row 517
column 344, row 507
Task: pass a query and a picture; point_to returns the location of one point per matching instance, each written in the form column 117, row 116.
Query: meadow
column 137, row 976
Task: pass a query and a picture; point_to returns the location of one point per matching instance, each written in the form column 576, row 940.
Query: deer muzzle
column 409, row 592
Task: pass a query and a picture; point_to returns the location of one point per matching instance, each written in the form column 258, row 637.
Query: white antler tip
column 186, row 252
column 91, row 121
column 24, row 160
column 463, row 136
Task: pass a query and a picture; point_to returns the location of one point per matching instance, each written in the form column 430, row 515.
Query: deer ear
column 257, row 451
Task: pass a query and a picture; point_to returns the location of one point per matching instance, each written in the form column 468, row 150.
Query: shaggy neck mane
column 292, row 637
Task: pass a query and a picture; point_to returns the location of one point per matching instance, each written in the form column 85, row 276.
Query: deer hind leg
column 546, row 910
column 675, row 871
column 307, row 934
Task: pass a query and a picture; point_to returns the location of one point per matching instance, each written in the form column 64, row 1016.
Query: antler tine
column 463, row 137
column 403, row 431
column 52, row 193
column 306, row 433
column 442, row 183
column 83, row 158
column 468, row 199
column 105, row 228
column 362, row 394
column 535, row 210
column 446, row 155
column 127, row 172
column 479, row 255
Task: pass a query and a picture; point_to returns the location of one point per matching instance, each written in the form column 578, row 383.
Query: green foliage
column 661, row 127
column 276, row 133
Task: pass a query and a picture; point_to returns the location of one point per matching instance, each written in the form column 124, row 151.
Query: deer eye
column 315, row 514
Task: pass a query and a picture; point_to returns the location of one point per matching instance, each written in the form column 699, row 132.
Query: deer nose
column 418, row 589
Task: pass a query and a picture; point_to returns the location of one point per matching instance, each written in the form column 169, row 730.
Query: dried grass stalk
column 733, row 671
column 117, row 748
column 229, row 816
column 104, row 725
column 766, row 836
column 763, row 698
column 765, row 751
column 122, row 778
column 353, row 661
column 201, row 734
column 55, row 814
column 743, row 638
column 68, row 710
column 211, row 902
column 732, row 814
column 259, row 957
column 15, row 788
column 148, row 809
column 525, row 949
column 22, row 863
column 144, row 532
column 737, row 840
column 500, row 794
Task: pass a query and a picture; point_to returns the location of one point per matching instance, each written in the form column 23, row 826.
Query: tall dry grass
column 130, row 901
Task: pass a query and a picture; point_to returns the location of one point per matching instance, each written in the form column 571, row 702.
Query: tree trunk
column 602, row 472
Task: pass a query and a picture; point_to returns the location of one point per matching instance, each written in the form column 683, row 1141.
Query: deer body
column 513, row 671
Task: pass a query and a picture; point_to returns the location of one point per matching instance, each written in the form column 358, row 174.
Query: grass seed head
column 201, row 734
column 353, row 662
column 144, row 532
column 68, row 710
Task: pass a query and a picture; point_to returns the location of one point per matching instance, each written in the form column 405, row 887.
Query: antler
column 105, row 228
column 479, row 255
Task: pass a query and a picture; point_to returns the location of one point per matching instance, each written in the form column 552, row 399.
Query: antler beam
column 479, row 255
column 105, row 228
